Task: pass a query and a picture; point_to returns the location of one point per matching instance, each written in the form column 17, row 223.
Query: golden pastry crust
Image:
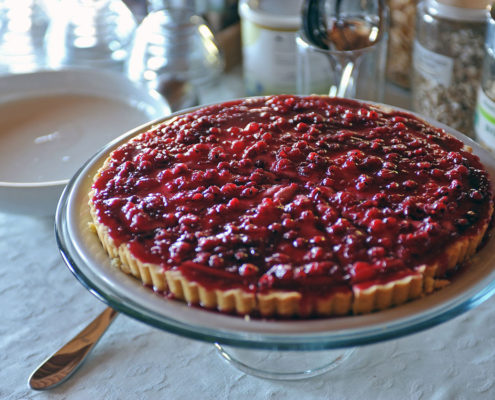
column 425, row 281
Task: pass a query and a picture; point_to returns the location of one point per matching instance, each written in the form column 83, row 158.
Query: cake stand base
column 283, row 365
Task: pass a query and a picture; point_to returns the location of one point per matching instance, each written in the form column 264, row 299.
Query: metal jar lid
column 459, row 10
column 474, row 4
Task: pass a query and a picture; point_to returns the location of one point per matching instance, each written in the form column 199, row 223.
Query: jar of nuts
column 400, row 41
column 447, row 59
column 485, row 110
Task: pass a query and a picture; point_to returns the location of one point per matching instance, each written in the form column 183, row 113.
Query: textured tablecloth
column 42, row 306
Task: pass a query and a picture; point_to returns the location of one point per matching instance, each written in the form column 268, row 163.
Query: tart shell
column 354, row 300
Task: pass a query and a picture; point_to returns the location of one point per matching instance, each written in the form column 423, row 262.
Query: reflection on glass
column 90, row 33
column 342, row 51
column 174, row 44
column 23, row 24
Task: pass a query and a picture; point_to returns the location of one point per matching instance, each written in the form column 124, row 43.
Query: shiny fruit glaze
column 292, row 193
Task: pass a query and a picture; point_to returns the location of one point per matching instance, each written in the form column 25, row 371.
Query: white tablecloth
column 42, row 306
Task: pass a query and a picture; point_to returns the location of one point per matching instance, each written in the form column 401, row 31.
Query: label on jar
column 269, row 59
column 484, row 124
column 433, row 66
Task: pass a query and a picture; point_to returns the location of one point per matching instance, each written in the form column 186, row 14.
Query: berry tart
column 288, row 206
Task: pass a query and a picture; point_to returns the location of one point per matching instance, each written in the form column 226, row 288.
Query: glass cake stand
column 287, row 349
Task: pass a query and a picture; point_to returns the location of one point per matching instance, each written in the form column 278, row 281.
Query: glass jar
column 90, row 33
column 174, row 50
column 485, row 110
column 23, row 25
column 447, row 59
column 400, row 41
column 268, row 35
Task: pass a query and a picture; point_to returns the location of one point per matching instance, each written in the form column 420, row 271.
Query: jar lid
column 279, row 14
column 474, row 4
column 460, row 10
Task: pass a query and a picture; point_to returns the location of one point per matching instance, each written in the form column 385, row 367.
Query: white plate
column 86, row 258
column 53, row 121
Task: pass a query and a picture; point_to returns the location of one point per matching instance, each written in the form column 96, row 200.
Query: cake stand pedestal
column 283, row 365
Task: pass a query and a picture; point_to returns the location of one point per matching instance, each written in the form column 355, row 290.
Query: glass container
column 400, row 41
column 90, row 33
column 485, row 110
column 23, row 25
column 268, row 31
column 174, row 49
column 447, row 59
column 352, row 62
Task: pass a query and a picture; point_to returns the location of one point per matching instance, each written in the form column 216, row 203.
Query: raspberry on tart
column 288, row 206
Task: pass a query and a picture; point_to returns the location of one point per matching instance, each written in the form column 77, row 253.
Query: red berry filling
column 294, row 193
